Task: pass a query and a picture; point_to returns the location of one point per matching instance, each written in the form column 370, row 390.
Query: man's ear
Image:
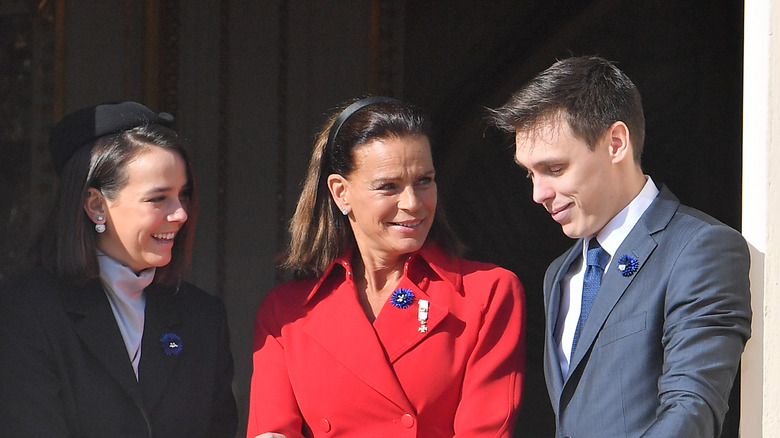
column 619, row 138
column 337, row 185
column 94, row 206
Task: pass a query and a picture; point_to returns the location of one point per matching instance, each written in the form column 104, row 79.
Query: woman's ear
column 94, row 206
column 337, row 185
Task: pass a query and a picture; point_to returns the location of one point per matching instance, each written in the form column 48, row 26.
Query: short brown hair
column 589, row 92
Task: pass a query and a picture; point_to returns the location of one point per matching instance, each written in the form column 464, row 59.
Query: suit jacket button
column 325, row 425
column 407, row 421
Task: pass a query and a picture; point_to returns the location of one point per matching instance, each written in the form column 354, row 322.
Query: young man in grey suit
column 648, row 313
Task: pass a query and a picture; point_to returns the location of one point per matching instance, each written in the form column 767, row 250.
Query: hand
column 270, row 435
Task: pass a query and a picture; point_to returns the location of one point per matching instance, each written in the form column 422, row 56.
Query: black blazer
column 64, row 369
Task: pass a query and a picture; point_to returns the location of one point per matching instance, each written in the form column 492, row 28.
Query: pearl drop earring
column 100, row 228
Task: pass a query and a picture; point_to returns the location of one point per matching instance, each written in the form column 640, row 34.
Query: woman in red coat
column 385, row 331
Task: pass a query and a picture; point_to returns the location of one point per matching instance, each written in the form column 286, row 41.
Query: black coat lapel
column 94, row 322
column 163, row 316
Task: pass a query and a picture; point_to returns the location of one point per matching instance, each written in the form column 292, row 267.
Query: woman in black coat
column 103, row 337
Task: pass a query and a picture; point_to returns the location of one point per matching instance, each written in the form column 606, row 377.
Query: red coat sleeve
column 272, row 404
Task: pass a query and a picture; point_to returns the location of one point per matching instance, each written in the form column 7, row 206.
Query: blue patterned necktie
column 597, row 261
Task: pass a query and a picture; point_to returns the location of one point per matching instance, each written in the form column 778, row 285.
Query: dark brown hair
column 589, row 92
column 67, row 246
column 318, row 230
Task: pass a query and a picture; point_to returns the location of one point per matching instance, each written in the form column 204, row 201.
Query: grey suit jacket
column 660, row 349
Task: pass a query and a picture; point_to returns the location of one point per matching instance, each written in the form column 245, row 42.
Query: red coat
column 321, row 369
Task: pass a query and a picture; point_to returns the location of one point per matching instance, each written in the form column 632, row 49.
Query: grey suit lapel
column 554, row 377
column 639, row 243
column 94, row 322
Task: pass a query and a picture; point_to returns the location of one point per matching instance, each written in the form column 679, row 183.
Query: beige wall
column 761, row 217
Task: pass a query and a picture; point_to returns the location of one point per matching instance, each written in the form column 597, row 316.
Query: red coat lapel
column 398, row 328
column 341, row 327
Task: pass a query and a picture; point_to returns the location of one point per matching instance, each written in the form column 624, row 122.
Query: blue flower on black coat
column 171, row 343
column 402, row 298
column 627, row 265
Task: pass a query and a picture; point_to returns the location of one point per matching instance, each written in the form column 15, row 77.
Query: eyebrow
column 163, row 189
column 543, row 163
column 156, row 190
column 381, row 177
column 522, row 167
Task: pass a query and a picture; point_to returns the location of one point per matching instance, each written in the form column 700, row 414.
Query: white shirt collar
column 612, row 235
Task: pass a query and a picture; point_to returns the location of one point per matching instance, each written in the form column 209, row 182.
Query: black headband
column 85, row 126
column 347, row 113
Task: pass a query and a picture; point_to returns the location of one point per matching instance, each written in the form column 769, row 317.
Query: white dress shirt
column 610, row 237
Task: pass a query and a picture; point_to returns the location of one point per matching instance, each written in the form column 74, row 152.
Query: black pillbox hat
column 84, row 126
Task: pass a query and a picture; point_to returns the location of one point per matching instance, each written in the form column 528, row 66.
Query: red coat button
column 407, row 421
column 325, row 425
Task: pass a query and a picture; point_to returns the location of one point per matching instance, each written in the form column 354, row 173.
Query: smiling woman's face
column 391, row 195
column 143, row 219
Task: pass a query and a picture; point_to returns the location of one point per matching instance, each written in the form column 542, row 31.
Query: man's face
column 576, row 185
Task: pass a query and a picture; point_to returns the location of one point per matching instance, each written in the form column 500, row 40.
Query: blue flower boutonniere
column 171, row 343
column 402, row 298
column 627, row 265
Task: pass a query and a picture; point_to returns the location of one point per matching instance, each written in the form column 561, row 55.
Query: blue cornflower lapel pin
column 171, row 343
column 402, row 298
column 627, row 265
